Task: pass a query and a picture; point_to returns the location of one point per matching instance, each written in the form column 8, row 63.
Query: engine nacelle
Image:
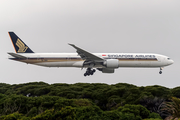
column 104, row 70
column 111, row 63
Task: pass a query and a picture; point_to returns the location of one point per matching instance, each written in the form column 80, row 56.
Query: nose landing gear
column 89, row 72
column 160, row 72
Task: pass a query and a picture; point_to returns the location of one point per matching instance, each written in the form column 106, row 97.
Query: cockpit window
column 168, row 58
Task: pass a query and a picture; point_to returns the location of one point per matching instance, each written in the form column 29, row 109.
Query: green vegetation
column 84, row 101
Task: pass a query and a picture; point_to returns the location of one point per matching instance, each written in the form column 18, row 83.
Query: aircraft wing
column 86, row 55
column 17, row 55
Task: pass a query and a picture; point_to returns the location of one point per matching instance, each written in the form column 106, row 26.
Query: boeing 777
column 105, row 62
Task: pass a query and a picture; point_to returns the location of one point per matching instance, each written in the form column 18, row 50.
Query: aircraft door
column 159, row 59
column 68, row 60
column 38, row 58
column 137, row 63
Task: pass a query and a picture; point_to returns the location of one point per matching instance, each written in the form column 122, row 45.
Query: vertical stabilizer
column 19, row 45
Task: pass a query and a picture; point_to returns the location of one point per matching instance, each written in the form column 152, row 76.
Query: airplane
column 104, row 62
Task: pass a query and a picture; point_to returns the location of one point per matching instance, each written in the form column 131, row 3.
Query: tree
column 88, row 113
column 176, row 92
column 173, row 107
column 154, row 104
column 137, row 110
column 13, row 116
column 158, row 91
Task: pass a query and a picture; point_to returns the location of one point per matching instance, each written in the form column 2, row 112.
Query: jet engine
column 104, row 70
column 111, row 63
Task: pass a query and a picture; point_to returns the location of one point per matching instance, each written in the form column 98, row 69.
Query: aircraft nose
column 171, row 62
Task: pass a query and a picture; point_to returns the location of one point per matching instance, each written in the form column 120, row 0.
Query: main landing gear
column 160, row 72
column 89, row 72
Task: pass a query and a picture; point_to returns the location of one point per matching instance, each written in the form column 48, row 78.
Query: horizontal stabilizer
column 17, row 55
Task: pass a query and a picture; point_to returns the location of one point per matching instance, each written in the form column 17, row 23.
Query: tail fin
column 19, row 45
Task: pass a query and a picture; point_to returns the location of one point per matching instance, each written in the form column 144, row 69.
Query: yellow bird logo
column 22, row 47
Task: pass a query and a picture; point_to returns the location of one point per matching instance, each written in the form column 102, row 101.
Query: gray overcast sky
column 145, row 26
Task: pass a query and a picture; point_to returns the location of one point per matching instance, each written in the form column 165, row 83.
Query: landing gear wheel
column 85, row 74
column 161, row 68
column 89, row 72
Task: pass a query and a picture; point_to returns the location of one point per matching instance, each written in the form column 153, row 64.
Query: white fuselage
column 105, row 62
column 74, row 60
